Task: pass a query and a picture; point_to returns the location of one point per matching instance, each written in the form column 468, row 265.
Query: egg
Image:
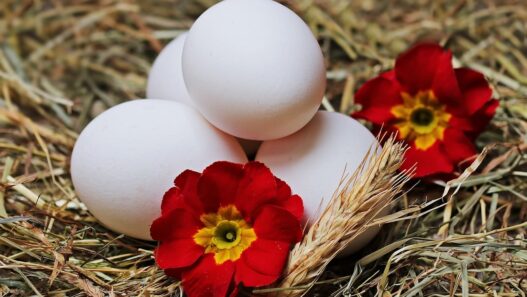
column 313, row 160
column 165, row 80
column 127, row 158
column 254, row 69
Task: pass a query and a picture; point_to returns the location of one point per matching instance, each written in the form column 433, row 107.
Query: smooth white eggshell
column 165, row 80
column 127, row 158
column 254, row 69
column 313, row 160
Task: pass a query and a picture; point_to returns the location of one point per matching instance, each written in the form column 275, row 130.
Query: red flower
column 233, row 224
column 436, row 109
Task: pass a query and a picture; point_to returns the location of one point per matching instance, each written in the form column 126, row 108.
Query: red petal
column 293, row 204
column 482, row 117
column 428, row 67
column 187, row 178
column 262, row 263
column 178, row 224
column 389, row 75
column 462, row 123
column 177, row 253
column 207, row 279
column 218, row 184
column 430, row 162
column 172, row 200
column 283, row 190
column 476, row 123
column 445, row 85
column 187, row 182
column 475, row 89
column 256, row 188
column 458, row 146
column 377, row 97
column 278, row 224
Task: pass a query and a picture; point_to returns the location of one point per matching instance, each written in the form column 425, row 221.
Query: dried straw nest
column 63, row 62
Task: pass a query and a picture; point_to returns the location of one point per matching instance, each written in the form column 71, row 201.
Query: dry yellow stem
column 353, row 208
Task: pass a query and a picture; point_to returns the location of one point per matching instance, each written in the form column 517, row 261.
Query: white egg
column 313, row 160
column 165, row 80
column 254, row 69
column 127, row 158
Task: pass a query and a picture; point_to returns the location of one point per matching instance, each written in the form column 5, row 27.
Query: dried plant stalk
column 353, row 208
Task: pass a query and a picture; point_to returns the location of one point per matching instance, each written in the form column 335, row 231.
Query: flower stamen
column 421, row 119
column 226, row 234
column 422, row 116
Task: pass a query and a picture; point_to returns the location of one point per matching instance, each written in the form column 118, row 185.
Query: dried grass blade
column 353, row 207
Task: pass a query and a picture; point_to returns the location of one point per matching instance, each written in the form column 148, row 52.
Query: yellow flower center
column 421, row 119
column 225, row 233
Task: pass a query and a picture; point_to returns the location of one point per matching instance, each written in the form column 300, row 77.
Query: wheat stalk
column 359, row 199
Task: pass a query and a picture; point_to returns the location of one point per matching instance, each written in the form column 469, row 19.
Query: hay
column 361, row 198
column 63, row 62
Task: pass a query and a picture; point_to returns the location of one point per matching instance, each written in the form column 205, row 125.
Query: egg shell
column 127, row 158
column 313, row 161
column 165, row 80
column 254, row 69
